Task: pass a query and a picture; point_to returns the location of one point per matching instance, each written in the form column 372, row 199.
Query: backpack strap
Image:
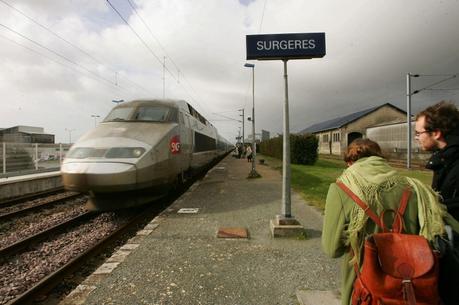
column 397, row 225
column 360, row 203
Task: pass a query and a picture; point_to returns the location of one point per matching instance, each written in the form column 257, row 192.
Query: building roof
column 344, row 120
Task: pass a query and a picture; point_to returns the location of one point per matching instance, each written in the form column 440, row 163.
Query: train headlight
column 125, row 152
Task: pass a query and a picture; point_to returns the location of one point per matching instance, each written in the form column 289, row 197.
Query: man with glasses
column 437, row 130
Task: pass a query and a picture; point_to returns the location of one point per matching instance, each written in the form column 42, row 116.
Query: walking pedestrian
column 249, row 154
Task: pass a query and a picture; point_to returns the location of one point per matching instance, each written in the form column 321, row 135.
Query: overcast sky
column 63, row 61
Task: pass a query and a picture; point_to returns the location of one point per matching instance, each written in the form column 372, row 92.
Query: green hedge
column 303, row 148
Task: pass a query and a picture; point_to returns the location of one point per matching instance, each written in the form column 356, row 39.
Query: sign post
column 284, row 47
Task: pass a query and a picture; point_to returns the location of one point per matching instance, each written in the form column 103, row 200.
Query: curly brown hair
column 361, row 148
column 443, row 116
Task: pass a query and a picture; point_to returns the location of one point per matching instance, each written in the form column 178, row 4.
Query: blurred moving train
column 141, row 150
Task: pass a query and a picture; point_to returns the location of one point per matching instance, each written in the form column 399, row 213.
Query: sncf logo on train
column 285, row 46
column 175, row 145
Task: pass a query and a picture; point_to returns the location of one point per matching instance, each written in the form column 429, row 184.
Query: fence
column 24, row 158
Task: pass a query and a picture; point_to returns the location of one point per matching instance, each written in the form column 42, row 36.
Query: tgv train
column 140, row 150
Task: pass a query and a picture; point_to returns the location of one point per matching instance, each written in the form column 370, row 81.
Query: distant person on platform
column 249, row 153
column 239, row 151
column 437, row 130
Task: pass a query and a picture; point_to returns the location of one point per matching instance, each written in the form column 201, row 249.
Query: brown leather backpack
column 397, row 268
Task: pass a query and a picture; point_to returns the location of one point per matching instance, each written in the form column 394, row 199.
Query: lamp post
column 70, row 134
column 243, row 123
column 253, row 173
column 95, row 116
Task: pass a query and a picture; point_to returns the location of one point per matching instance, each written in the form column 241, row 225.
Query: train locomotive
column 141, row 150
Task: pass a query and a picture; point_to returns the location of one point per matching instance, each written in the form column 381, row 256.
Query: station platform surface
column 178, row 258
column 31, row 176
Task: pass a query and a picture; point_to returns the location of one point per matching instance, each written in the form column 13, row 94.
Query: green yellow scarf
column 370, row 177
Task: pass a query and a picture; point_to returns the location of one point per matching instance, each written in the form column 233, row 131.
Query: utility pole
column 70, row 134
column 164, row 77
column 253, row 173
column 243, row 118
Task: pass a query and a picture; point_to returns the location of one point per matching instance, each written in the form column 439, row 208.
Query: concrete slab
column 285, row 230
column 106, row 268
column 232, row 233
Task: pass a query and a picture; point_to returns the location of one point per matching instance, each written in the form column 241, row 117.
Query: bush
column 303, row 148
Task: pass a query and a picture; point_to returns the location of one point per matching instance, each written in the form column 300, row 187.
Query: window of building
column 336, row 137
column 325, row 138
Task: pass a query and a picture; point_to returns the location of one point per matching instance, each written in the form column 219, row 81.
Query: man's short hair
column 361, row 148
column 443, row 116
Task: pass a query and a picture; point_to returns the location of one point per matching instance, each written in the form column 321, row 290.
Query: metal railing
column 26, row 158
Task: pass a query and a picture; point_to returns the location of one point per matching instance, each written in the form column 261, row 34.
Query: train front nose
column 98, row 177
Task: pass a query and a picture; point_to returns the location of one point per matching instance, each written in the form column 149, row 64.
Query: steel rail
column 36, row 207
column 26, row 242
column 14, row 200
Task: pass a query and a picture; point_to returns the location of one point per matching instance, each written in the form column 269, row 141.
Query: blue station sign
column 285, row 46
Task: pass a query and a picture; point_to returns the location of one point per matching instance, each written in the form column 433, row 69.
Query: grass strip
column 312, row 181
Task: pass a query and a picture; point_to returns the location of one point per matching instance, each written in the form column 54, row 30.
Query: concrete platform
column 180, row 259
column 29, row 184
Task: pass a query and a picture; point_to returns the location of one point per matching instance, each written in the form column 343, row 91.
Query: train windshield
column 155, row 113
column 120, row 114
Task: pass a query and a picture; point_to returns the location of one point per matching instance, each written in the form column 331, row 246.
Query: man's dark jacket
column 445, row 165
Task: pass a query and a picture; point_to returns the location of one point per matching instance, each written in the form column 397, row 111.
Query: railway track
column 12, row 201
column 35, row 238
column 19, row 208
column 90, row 246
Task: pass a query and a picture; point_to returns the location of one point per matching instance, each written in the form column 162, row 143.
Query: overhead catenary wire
column 436, row 83
column 262, row 17
column 57, row 54
column 152, row 35
column 60, row 63
column 140, row 38
column 68, row 42
column 170, row 59
column 259, row 31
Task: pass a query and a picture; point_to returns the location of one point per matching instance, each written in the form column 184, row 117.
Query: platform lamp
column 253, row 173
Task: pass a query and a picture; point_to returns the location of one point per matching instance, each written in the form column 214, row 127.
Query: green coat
column 336, row 219
column 372, row 177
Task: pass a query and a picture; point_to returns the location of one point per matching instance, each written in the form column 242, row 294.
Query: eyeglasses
column 418, row 133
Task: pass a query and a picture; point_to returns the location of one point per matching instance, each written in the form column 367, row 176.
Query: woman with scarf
column 369, row 176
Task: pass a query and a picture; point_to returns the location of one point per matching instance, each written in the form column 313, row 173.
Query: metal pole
column 4, row 157
column 36, row 156
column 243, row 123
column 60, row 152
column 164, row 77
column 254, row 150
column 408, row 120
column 286, row 201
